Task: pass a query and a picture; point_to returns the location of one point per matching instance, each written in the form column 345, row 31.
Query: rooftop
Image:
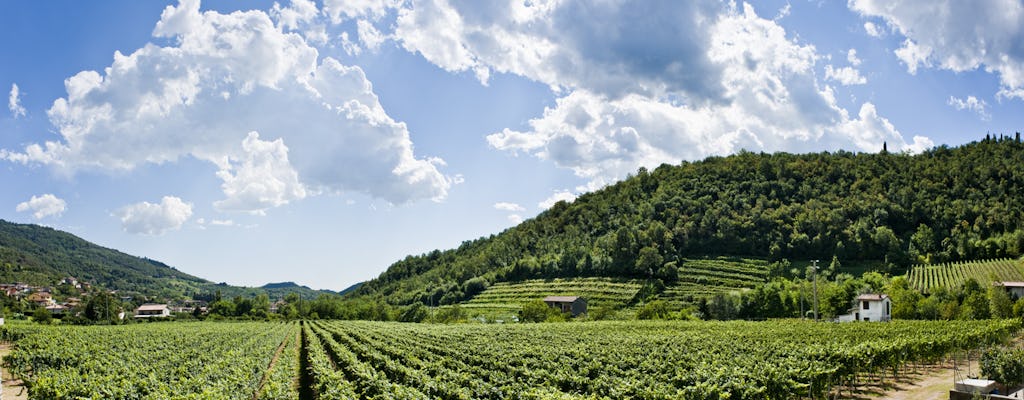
column 152, row 307
column 561, row 299
column 872, row 297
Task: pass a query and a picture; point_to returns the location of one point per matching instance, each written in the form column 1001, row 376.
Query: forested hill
column 42, row 256
column 945, row 204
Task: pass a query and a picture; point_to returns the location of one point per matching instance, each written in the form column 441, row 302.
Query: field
column 952, row 275
column 375, row 360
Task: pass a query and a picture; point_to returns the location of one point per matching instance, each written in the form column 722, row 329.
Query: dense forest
column 42, row 256
column 893, row 210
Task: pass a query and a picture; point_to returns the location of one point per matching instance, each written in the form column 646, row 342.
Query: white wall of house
column 873, row 310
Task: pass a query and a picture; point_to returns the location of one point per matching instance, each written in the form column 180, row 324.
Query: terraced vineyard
column 952, row 275
column 697, row 278
column 505, row 298
column 328, row 360
column 706, row 277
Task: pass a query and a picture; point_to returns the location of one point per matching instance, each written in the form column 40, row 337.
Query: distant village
column 70, row 296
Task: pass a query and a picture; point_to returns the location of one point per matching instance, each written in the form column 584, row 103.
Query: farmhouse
column 1014, row 289
column 870, row 307
column 570, row 304
column 152, row 311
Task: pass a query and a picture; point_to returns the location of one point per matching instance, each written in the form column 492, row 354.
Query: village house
column 41, row 299
column 870, row 307
column 570, row 304
column 152, row 311
column 57, row 309
column 71, row 281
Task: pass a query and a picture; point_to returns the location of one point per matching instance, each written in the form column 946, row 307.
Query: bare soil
column 13, row 389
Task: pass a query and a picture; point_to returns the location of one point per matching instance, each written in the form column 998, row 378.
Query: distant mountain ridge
column 42, row 256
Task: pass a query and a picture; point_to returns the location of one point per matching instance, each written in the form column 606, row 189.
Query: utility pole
column 814, row 265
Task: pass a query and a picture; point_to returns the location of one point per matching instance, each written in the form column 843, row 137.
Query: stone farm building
column 152, row 311
column 570, row 304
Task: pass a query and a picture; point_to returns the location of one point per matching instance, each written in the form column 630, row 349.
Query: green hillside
column 42, row 256
column 952, row 275
column 873, row 211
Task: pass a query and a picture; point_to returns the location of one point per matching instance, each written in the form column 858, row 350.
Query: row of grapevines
column 647, row 360
column 152, row 361
column 952, row 275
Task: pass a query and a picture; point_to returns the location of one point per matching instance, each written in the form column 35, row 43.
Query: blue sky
column 320, row 141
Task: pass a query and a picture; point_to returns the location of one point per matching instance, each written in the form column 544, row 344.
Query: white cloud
column 298, row 13
column 759, row 93
column 515, row 219
column 562, row 195
column 262, row 179
column 343, row 10
column 846, row 76
column 226, row 75
column 957, row 35
column 512, row 207
column 851, row 57
column 154, row 219
column 971, row 103
column 43, row 206
column 369, row 36
column 783, row 12
column 872, row 30
column 14, row 102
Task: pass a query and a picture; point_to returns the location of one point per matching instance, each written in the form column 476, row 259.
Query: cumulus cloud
column 223, row 76
column 43, row 206
column 872, row 30
column 846, row 76
column 851, row 57
column 562, row 195
column 154, row 219
column 971, row 103
column 957, row 36
column 515, row 219
column 14, row 102
column 724, row 80
column 511, row 207
column 261, row 180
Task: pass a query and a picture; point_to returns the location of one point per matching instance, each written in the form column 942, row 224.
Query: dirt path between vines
column 270, row 367
column 931, row 382
column 13, row 389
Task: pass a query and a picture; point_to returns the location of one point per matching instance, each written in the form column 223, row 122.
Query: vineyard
column 952, row 275
column 155, row 361
column 505, row 299
column 375, row 360
column 697, row 278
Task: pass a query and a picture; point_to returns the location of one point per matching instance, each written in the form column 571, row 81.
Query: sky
column 321, row 141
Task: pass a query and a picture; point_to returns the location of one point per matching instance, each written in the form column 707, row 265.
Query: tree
column 42, row 315
column 999, row 303
column 102, row 306
column 416, row 312
column 649, row 262
column 656, row 309
column 535, row 311
column 260, row 306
